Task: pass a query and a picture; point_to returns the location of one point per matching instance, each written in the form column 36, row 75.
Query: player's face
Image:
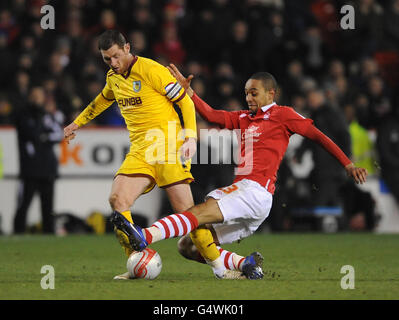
column 117, row 58
column 257, row 95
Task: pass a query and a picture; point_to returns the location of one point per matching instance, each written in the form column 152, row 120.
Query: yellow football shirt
column 145, row 95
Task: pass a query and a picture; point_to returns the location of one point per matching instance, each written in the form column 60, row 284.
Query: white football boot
column 232, row 274
column 123, row 276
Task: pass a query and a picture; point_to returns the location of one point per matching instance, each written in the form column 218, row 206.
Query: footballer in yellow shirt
column 145, row 95
column 145, row 92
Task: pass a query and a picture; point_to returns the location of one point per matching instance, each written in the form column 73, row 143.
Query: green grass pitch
column 297, row 266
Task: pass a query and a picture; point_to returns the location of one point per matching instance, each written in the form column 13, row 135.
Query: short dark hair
column 268, row 81
column 110, row 37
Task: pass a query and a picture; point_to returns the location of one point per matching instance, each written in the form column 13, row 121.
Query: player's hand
column 358, row 174
column 188, row 148
column 69, row 132
column 183, row 81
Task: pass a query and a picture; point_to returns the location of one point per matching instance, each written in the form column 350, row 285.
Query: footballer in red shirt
column 235, row 212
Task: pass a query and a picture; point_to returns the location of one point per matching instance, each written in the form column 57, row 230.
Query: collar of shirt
column 260, row 112
column 267, row 107
column 129, row 69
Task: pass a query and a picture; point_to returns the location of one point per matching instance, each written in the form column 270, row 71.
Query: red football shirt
column 265, row 137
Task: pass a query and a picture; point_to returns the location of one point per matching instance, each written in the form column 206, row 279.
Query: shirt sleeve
column 188, row 112
column 163, row 82
column 293, row 121
column 98, row 105
column 296, row 123
column 224, row 119
column 107, row 92
column 316, row 135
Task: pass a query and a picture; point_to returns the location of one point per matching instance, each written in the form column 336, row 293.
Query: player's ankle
column 152, row 234
column 219, row 272
column 127, row 214
column 218, row 267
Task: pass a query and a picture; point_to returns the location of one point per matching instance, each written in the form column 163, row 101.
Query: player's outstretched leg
column 132, row 231
column 171, row 226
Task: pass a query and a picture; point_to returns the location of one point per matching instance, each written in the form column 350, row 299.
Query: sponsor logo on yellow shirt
column 128, row 103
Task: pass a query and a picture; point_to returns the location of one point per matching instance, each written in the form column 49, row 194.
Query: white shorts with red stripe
column 244, row 205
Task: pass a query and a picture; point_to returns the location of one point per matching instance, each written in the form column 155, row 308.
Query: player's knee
column 207, row 212
column 119, row 203
column 186, row 248
column 113, row 198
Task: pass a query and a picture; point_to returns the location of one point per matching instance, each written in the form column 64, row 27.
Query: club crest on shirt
column 136, row 86
column 251, row 133
column 266, row 116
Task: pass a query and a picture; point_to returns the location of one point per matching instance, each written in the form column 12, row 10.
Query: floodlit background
column 347, row 80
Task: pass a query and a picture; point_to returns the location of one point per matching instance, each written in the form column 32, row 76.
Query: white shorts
column 244, row 205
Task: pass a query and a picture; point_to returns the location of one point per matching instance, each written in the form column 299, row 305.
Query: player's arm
column 295, row 123
column 223, row 118
column 162, row 82
column 220, row 117
column 181, row 94
column 358, row 174
column 98, row 105
column 186, row 106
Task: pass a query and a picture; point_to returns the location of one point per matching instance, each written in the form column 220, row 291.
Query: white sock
column 218, row 267
column 232, row 261
column 155, row 233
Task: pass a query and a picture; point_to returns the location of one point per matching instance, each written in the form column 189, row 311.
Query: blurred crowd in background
column 346, row 80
